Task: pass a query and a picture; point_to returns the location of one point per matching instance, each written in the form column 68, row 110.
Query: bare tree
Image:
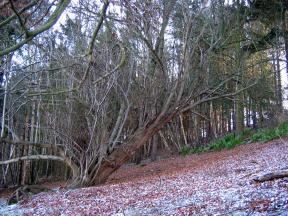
column 153, row 64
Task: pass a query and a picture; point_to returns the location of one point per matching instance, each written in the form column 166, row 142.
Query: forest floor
column 215, row 183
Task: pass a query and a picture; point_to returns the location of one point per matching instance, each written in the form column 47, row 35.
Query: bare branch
column 19, row 18
column 93, row 39
column 206, row 99
column 63, row 157
column 21, row 142
column 32, row 157
column 121, row 64
column 47, row 25
column 9, row 19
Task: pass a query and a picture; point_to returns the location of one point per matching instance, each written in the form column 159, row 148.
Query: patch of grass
column 268, row 134
column 196, row 150
column 227, row 142
column 185, row 150
column 231, row 140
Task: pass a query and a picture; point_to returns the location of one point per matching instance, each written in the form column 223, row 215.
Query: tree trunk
column 239, row 107
column 125, row 152
column 3, row 120
column 239, row 114
column 278, row 80
column 254, row 119
column 285, row 38
column 25, row 168
column 154, row 147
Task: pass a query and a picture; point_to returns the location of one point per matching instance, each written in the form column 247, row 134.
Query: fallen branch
column 32, row 157
column 62, row 155
column 271, row 176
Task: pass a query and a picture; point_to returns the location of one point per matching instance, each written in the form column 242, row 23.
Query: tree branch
column 121, row 64
column 21, row 142
column 9, row 19
column 47, row 25
column 32, row 157
column 19, row 18
column 63, row 157
column 93, row 39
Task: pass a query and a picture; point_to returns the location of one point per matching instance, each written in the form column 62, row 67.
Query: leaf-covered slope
column 210, row 183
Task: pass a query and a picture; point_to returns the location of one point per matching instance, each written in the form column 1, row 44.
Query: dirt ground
column 177, row 163
column 205, row 184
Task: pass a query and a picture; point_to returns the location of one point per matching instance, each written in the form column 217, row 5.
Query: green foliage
column 267, row 134
column 188, row 150
column 231, row 140
column 227, row 142
column 185, row 150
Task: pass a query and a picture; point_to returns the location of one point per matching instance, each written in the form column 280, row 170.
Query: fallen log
column 271, row 176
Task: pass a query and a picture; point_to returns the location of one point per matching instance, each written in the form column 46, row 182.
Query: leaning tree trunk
column 125, row 152
column 121, row 154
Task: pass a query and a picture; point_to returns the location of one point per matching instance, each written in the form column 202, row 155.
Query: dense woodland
column 119, row 81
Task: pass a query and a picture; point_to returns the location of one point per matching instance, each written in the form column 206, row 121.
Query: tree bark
column 271, row 176
column 32, row 157
column 285, row 35
column 126, row 151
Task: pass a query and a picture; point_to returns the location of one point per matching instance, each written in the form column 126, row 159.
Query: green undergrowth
column 247, row 136
column 268, row 134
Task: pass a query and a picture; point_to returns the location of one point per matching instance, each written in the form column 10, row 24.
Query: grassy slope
column 231, row 140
